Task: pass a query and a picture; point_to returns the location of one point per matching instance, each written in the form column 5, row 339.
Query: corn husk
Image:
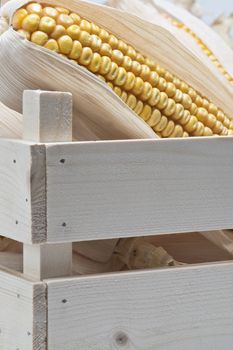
column 98, row 112
column 151, row 11
column 154, row 11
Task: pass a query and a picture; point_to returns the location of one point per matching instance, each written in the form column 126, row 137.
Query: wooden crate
column 54, row 193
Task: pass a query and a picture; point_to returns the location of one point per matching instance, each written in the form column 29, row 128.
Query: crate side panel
column 178, row 308
column 101, row 190
column 22, row 313
column 15, row 213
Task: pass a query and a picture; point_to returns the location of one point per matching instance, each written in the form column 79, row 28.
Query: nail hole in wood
column 18, row 296
column 26, row 200
column 14, row 161
column 121, row 339
column 64, row 224
column 28, row 333
column 62, row 161
column 16, row 222
column 64, row 301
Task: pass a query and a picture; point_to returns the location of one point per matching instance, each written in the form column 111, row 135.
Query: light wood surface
column 173, row 309
column 22, row 183
column 47, row 116
column 109, row 190
column 22, row 313
column 47, row 260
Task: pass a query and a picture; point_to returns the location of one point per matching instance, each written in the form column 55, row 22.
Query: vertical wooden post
column 47, row 117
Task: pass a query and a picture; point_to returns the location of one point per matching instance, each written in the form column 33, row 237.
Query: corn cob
column 202, row 45
column 170, row 106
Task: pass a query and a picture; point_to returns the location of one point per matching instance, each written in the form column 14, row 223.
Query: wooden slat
column 176, row 308
column 22, row 313
column 102, row 190
column 47, row 117
column 22, row 191
column 47, row 260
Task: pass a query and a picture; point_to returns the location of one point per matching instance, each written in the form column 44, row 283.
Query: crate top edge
column 206, row 140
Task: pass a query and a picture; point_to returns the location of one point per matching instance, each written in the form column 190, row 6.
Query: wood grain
column 176, row 308
column 23, row 313
column 47, row 116
column 22, row 181
column 104, row 190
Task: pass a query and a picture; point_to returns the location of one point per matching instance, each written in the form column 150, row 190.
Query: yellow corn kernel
column 191, row 125
column 154, row 98
column 73, row 31
column 154, row 118
column 52, row 45
column 163, row 101
column 117, row 57
column 145, row 72
column 124, row 96
column 94, row 66
column 177, row 132
column 65, row 44
column 96, row 43
column 34, row 8
column 170, row 108
column 112, row 74
column 85, row 39
column 139, row 107
column 76, row 18
column 31, row 23
column 131, row 101
column 138, row 86
column 95, row 29
column 146, row 112
column 123, row 47
column 153, row 78
column 85, row 25
column 186, row 101
column 169, row 129
column 105, row 65
column 50, row 12
column 161, row 125
column 58, row 32
column 103, row 34
column 39, row 38
column 86, row 56
column 127, row 64
column 130, row 80
column 121, row 77
column 76, row 50
column 18, row 18
column 113, row 41
column 47, row 25
column 146, row 91
column 106, row 50
column 65, row 20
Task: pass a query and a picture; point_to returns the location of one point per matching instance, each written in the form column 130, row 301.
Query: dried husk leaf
column 153, row 11
column 137, row 253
